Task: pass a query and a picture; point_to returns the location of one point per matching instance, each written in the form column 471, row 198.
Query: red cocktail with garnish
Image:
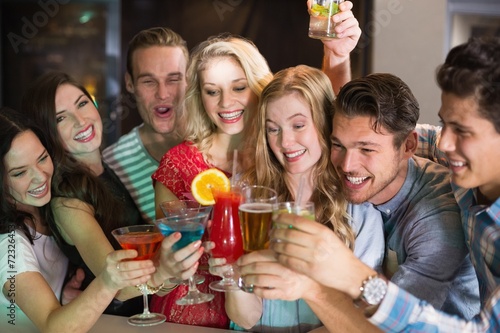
column 225, row 232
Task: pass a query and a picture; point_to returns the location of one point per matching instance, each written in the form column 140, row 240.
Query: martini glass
column 191, row 224
column 146, row 240
column 174, row 207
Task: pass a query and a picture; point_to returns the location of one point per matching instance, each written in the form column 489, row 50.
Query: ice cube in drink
column 321, row 25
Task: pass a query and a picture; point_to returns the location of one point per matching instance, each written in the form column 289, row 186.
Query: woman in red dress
column 226, row 76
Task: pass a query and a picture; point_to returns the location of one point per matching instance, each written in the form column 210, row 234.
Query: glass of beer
column 256, row 210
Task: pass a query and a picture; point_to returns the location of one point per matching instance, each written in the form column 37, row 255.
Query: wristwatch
column 373, row 291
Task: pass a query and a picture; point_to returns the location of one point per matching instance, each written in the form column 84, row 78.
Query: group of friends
column 406, row 228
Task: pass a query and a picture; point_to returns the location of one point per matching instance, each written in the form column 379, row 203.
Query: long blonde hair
column 199, row 128
column 263, row 168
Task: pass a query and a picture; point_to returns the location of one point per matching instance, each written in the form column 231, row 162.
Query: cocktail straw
column 234, row 178
column 298, row 197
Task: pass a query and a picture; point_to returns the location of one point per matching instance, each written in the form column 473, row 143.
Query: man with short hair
column 470, row 109
column 156, row 76
column 373, row 146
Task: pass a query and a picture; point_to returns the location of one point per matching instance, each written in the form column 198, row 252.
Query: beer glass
column 256, row 210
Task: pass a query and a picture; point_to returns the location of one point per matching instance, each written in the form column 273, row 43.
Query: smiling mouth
column 356, row 180
column 85, row 134
column 295, row 154
column 37, row 191
column 231, row 115
column 457, row 164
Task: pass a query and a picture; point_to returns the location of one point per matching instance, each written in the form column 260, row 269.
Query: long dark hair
column 71, row 179
column 12, row 124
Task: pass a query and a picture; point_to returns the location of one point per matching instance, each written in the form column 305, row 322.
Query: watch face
column 374, row 290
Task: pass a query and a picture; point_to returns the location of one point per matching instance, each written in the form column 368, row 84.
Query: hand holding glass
column 191, row 224
column 146, row 240
column 174, row 207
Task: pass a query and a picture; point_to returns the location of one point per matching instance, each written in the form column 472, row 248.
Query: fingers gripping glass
column 174, row 207
column 191, row 224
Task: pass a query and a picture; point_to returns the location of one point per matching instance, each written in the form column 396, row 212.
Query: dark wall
column 278, row 28
column 76, row 35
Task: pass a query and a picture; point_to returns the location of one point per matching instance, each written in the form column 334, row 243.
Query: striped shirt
column 132, row 163
column 400, row 311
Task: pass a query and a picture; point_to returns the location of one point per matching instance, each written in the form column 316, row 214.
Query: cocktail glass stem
column 146, row 318
column 193, row 290
column 194, row 296
column 146, row 240
column 145, row 300
column 228, row 282
column 198, row 279
column 192, row 286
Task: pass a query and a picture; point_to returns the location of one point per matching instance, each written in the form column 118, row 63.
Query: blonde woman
column 226, row 75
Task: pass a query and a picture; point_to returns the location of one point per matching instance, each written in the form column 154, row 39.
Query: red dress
column 176, row 171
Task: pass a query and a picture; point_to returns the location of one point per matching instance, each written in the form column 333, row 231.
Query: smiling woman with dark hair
column 30, row 261
column 88, row 196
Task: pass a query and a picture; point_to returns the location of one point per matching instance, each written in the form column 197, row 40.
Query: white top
column 17, row 256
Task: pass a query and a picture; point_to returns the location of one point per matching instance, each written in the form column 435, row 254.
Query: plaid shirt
column 401, row 312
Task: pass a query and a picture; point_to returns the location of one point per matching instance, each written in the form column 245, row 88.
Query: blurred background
column 88, row 39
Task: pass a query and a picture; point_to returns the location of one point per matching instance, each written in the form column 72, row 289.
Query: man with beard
column 373, row 146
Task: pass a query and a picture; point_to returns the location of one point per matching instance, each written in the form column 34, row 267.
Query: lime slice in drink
column 318, row 10
column 335, row 8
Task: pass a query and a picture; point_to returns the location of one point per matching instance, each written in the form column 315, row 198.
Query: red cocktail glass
column 146, row 240
column 225, row 232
